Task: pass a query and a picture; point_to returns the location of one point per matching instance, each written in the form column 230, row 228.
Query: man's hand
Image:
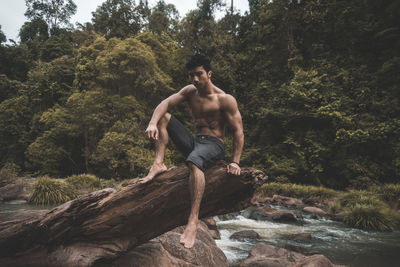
column 152, row 132
column 233, row 168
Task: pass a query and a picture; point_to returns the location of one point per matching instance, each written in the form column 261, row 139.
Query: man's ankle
column 193, row 222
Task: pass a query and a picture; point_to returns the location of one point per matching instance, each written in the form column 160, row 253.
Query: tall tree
column 35, row 30
column 164, row 18
column 56, row 13
column 120, row 18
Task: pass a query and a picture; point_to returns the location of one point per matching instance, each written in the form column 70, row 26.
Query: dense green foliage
column 316, row 82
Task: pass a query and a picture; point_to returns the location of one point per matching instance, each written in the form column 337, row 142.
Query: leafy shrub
column 370, row 217
column 47, row 191
column 295, row 190
column 84, row 181
column 9, row 172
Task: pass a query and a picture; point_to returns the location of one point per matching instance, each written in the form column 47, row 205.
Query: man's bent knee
column 193, row 166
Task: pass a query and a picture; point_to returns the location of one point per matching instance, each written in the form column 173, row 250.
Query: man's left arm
column 234, row 121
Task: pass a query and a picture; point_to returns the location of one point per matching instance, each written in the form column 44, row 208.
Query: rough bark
column 107, row 223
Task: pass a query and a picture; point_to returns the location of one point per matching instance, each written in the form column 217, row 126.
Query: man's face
column 199, row 77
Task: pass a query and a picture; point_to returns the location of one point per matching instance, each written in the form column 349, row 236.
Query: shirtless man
column 212, row 110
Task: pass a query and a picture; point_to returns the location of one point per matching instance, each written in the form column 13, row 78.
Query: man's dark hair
column 197, row 61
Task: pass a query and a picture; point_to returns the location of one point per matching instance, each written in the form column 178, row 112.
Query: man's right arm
column 162, row 108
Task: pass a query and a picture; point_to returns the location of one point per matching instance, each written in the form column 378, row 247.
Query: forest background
column 317, row 84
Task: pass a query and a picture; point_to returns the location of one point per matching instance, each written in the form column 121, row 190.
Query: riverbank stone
column 245, row 235
column 267, row 213
column 13, row 191
column 289, row 202
column 315, row 212
column 212, row 227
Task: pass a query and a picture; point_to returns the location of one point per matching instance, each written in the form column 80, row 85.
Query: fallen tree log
column 105, row 224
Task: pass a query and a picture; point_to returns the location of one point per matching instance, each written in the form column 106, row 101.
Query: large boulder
column 264, row 255
column 166, row 251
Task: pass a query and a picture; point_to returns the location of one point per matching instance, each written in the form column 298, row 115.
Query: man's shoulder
column 226, row 99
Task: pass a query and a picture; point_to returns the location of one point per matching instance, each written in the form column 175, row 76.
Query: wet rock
column 166, row 251
column 339, row 216
column 228, row 216
column 315, row 261
column 301, row 237
column 267, row 255
column 15, row 190
column 318, row 202
column 289, row 202
column 212, row 227
column 293, row 203
column 296, row 249
column 269, row 214
column 316, row 212
column 259, row 200
column 245, row 235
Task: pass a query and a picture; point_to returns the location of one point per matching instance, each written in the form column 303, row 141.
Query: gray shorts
column 202, row 150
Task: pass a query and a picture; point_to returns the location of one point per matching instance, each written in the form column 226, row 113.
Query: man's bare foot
column 189, row 235
column 154, row 170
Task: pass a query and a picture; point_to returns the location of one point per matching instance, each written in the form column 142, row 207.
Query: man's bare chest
column 205, row 107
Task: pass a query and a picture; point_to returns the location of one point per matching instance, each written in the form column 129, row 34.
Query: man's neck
column 208, row 90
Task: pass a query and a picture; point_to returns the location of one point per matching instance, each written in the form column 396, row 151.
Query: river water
column 341, row 244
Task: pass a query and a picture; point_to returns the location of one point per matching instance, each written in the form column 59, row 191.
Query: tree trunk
column 105, row 224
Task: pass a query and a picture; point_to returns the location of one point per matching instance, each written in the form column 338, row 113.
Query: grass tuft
column 390, row 193
column 369, row 217
column 360, row 197
column 47, row 191
column 297, row 191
